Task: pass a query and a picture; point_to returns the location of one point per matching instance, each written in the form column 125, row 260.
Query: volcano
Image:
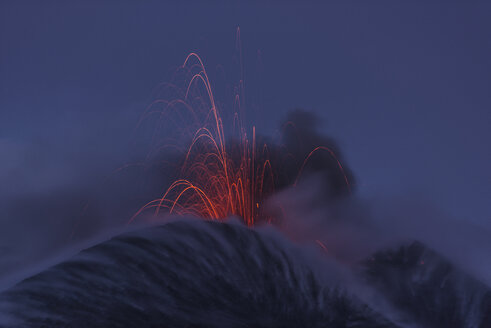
column 191, row 273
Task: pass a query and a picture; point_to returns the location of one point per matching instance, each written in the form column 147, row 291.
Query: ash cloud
column 299, row 137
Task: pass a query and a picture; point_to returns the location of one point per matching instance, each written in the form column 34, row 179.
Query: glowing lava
column 218, row 179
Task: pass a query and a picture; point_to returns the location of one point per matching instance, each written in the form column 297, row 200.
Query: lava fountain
column 219, row 176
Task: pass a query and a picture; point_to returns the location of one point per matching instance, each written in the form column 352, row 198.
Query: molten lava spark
column 217, row 179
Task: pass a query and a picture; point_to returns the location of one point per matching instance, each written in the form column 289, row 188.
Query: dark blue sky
column 404, row 87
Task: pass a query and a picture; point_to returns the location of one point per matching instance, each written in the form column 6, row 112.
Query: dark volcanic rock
column 428, row 288
column 184, row 274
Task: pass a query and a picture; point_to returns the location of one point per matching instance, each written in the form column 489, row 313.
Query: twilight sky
column 404, row 88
